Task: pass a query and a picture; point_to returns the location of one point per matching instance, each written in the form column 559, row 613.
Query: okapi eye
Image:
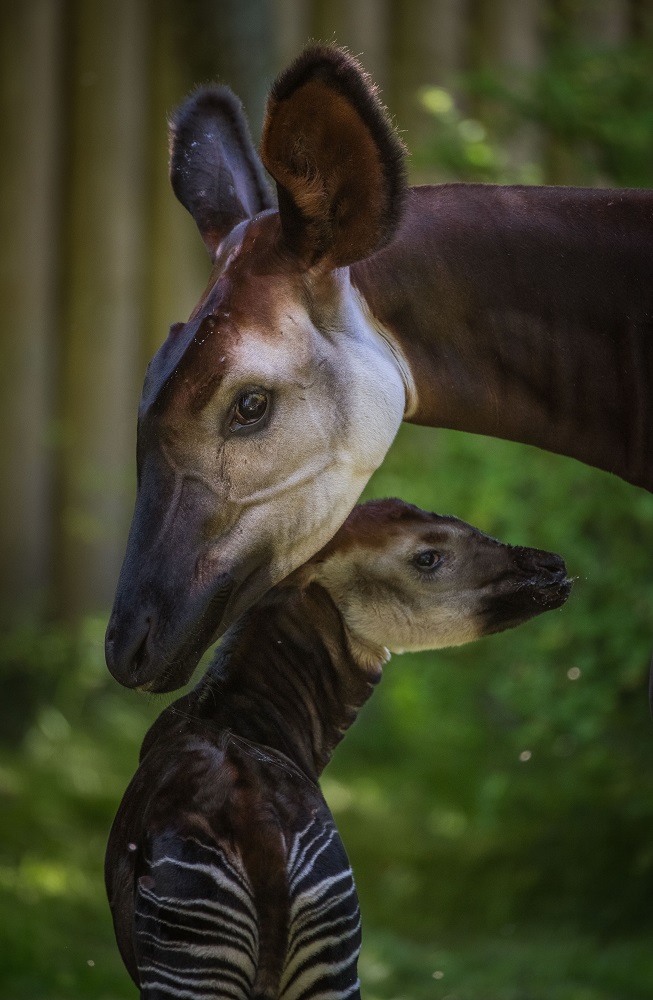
column 250, row 407
column 427, row 559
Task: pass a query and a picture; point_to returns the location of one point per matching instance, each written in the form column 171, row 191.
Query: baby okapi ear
column 338, row 162
column 214, row 169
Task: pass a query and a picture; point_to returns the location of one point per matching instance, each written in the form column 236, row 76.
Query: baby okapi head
column 404, row 580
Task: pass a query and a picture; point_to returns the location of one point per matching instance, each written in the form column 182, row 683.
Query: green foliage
column 594, row 107
column 597, row 104
column 461, row 146
column 562, row 964
column 59, row 788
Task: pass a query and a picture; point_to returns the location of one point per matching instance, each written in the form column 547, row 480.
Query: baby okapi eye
column 427, row 559
column 251, row 406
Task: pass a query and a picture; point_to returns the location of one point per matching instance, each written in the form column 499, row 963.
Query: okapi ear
column 215, row 170
column 338, row 162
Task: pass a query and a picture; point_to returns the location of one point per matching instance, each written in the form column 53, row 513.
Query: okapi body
column 225, row 873
column 523, row 313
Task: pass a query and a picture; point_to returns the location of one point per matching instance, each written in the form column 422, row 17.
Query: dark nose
column 126, row 649
column 552, row 565
column 157, row 647
column 548, row 566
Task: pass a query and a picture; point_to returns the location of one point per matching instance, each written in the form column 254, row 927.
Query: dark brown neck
column 283, row 678
column 527, row 314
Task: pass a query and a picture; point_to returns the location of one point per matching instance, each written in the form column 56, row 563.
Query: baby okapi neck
column 285, row 677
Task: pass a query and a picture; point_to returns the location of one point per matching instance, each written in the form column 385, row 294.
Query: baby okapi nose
column 547, row 565
column 549, row 560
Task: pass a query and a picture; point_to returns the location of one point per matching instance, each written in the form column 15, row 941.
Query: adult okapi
column 520, row 312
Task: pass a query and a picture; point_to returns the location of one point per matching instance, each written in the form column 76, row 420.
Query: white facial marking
column 336, row 401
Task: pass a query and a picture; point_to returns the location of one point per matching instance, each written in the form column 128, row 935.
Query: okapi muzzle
column 535, row 581
column 167, row 607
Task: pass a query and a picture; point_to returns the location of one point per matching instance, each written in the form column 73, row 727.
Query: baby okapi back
column 225, row 872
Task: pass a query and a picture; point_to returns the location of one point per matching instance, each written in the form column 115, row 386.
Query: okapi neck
column 285, row 678
column 525, row 314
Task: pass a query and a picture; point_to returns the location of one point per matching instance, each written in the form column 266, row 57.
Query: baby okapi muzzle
column 225, row 873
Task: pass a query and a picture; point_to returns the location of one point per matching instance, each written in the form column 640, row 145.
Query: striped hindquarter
column 195, row 923
column 197, row 929
column 324, row 936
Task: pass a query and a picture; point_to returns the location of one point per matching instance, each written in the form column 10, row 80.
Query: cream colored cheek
column 375, row 409
column 450, row 633
column 290, row 523
column 446, row 628
column 309, row 521
column 289, row 458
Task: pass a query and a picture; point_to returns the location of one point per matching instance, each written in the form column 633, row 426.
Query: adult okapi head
column 265, row 414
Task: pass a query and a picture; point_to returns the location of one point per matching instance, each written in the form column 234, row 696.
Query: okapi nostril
column 140, row 656
column 546, row 564
column 556, row 572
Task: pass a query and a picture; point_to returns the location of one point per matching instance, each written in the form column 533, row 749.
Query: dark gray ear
column 214, row 169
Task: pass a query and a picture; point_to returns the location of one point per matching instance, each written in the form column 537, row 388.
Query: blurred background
column 497, row 802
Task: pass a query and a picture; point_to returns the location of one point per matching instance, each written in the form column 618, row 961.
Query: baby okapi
column 225, row 872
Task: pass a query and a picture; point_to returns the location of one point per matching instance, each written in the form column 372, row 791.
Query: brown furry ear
column 214, row 169
column 338, row 163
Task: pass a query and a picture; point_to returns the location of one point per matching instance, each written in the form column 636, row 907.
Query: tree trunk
column 103, row 305
column 30, row 50
column 178, row 262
